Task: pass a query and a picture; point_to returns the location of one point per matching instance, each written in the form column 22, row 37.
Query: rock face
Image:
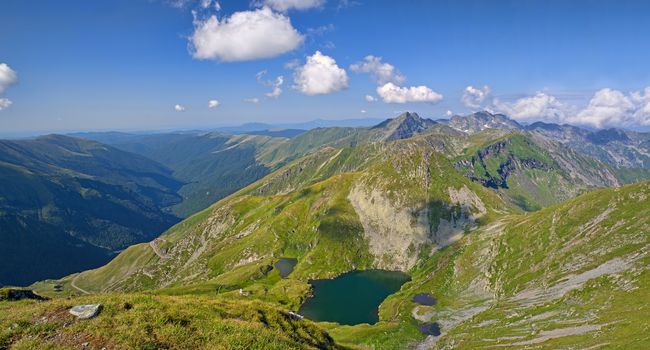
column 84, row 312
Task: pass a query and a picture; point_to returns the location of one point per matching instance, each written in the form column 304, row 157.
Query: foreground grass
column 137, row 321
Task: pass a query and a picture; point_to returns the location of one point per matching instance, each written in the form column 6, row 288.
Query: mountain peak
column 480, row 121
column 405, row 125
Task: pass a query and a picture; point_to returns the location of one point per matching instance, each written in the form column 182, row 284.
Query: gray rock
column 84, row 312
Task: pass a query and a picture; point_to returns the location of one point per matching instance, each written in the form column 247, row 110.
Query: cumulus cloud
column 213, row 103
column 320, row 75
column 391, row 93
column 475, row 97
column 538, row 107
column 606, row 108
column 380, row 71
column 370, row 98
column 286, row 5
column 179, row 108
column 449, row 113
column 610, row 107
column 4, row 103
column 244, row 36
column 7, row 77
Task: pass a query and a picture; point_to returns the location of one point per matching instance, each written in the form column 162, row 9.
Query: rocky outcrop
column 11, row 294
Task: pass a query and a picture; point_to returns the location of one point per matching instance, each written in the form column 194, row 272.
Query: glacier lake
column 351, row 298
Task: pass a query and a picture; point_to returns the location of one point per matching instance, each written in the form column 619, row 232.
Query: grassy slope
column 532, row 172
column 136, row 321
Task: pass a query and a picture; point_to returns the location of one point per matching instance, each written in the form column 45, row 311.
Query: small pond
column 285, row 266
column 424, row 299
column 351, row 298
column 430, row 328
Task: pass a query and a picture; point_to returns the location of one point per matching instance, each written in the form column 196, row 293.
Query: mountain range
column 527, row 236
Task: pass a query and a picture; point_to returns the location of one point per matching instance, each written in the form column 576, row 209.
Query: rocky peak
column 403, row 126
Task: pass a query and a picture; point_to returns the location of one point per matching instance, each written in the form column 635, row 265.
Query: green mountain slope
column 534, row 172
column 288, row 214
column 66, row 204
column 570, row 276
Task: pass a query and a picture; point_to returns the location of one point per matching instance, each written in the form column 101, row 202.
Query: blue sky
column 126, row 64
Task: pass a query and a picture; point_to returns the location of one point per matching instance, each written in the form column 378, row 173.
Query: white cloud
column 179, row 108
column 643, row 101
column 253, row 100
column 7, row 77
column 474, row 97
column 391, row 93
column 607, row 108
column 363, row 111
column 538, row 107
column 320, row 75
column 382, row 73
column 370, row 98
column 277, row 88
column 245, row 35
column 286, row 5
column 213, row 103
column 610, row 107
column 449, row 113
column 5, row 103
column 275, row 84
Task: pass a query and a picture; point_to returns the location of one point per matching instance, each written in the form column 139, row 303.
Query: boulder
column 84, row 312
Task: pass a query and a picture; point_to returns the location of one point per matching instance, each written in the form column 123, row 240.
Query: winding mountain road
column 74, row 285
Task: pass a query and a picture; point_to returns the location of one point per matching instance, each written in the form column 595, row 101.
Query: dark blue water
column 352, row 298
column 430, row 329
column 285, row 266
column 424, row 299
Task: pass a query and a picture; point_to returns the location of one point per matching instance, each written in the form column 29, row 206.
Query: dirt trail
column 157, row 250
